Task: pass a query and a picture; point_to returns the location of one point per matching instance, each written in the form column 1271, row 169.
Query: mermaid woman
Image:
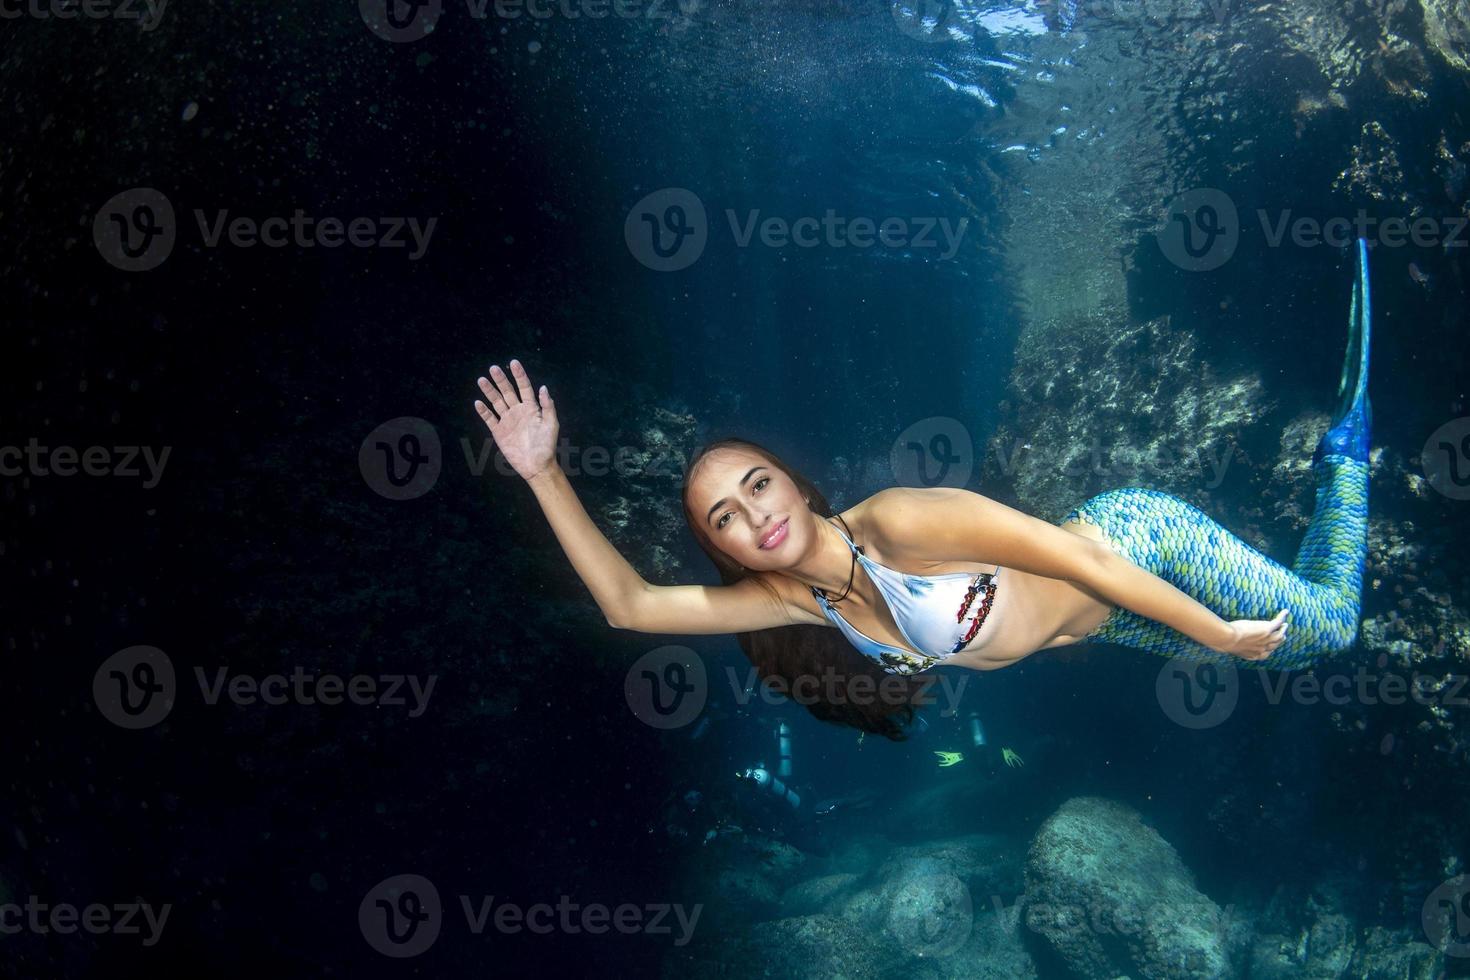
column 1132, row 566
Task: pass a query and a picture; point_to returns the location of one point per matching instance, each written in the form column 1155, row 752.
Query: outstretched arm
column 524, row 425
column 971, row 527
column 628, row 601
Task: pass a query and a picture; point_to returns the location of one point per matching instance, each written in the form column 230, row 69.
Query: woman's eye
column 762, row 481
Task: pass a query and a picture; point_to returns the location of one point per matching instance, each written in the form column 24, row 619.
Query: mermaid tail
column 1353, row 418
column 1184, row 546
column 1334, row 550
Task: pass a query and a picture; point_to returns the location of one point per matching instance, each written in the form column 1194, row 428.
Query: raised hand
column 523, row 425
column 1257, row 639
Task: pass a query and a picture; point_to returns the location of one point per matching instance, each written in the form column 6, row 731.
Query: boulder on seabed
column 1109, row 896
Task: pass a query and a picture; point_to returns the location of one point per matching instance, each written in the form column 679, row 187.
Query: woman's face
column 751, row 510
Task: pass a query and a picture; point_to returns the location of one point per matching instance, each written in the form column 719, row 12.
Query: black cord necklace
column 852, row 572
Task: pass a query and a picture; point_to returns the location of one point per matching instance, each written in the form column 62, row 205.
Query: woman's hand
column 1257, row 639
column 524, row 430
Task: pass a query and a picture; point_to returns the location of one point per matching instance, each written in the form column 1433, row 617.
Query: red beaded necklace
column 982, row 580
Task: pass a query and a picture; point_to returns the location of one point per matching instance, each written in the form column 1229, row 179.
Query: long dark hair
column 784, row 654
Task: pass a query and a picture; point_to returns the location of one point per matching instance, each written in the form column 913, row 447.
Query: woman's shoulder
column 885, row 514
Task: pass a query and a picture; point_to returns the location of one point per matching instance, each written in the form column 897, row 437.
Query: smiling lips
column 776, row 536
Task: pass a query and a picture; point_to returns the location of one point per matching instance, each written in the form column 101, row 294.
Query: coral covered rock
column 1109, row 896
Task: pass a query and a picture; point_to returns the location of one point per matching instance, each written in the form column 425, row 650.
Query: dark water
column 1052, row 138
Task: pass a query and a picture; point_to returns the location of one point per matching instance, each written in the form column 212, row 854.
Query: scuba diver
column 688, row 818
column 950, row 576
column 992, row 757
column 776, row 785
column 796, row 813
column 781, row 808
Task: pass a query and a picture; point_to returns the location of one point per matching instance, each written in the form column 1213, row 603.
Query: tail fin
column 1353, row 420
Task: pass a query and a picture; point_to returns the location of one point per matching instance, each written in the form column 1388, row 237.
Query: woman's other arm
column 630, row 602
column 970, row 527
column 524, row 426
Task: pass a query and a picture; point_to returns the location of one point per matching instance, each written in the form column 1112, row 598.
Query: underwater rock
column 1375, row 173
column 1329, row 946
column 1108, row 895
column 1447, row 29
column 1315, row 933
column 1452, row 167
column 775, row 859
column 922, row 909
column 801, row 946
column 996, row 950
column 1384, row 957
column 1279, row 957
column 1346, row 42
column 1418, row 859
column 858, row 852
column 1290, row 496
column 926, row 911
column 928, row 896
column 935, row 907
column 815, row 894
column 1097, row 402
column 638, row 479
column 988, row 864
column 1327, row 951
column 741, row 879
column 744, row 890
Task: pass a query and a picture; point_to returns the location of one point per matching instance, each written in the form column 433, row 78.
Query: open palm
column 523, row 426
